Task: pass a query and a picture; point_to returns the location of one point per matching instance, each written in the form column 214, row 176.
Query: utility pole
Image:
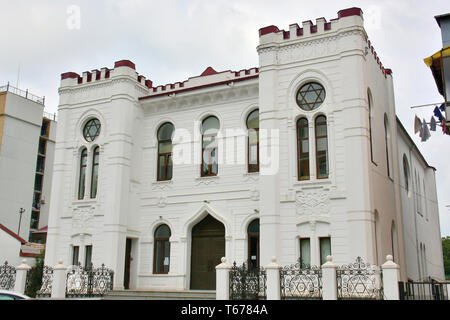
column 22, row 210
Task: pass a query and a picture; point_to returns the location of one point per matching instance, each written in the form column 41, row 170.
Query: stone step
column 161, row 295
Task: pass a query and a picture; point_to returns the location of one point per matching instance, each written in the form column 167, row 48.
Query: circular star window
column 310, row 96
column 91, row 130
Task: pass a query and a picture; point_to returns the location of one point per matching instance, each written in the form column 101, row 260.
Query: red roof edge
column 13, row 234
column 208, row 71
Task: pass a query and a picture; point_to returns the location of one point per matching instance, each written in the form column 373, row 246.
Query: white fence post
column 223, row 280
column 329, row 280
column 59, row 281
column 21, row 277
column 273, row 280
column 390, row 279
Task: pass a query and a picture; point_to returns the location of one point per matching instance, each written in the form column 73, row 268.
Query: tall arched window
column 82, row 180
column 302, row 149
column 253, row 141
column 369, row 99
column 165, row 166
column 321, row 147
column 253, row 243
column 94, row 177
column 210, row 128
column 161, row 261
column 387, row 139
column 406, row 174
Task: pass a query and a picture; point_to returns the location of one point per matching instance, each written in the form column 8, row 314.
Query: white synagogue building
column 301, row 157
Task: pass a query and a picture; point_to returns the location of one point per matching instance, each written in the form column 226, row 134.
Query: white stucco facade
column 131, row 203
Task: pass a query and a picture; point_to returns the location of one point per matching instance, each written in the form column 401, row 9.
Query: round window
column 91, row 130
column 310, row 96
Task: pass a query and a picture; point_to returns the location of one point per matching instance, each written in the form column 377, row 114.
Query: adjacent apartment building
column 27, row 142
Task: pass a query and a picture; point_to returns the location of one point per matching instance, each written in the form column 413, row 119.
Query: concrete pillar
column 329, row 280
column 273, row 280
column 21, row 277
column 223, row 280
column 390, row 279
column 59, row 281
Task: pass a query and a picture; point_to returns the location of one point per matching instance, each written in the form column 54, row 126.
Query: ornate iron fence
column 247, row 283
column 431, row 290
column 7, row 276
column 299, row 282
column 359, row 280
column 88, row 282
column 47, row 280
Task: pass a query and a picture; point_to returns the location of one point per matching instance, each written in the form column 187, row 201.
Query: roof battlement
column 73, row 78
column 308, row 28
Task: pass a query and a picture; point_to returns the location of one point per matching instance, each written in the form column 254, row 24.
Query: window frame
column 250, row 236
column 82, row 174
column 316, row 123
column 320, row 248
column 96, row 152
column 301, row 262
column 299, row 141
column 163, row 241
column 166, row 155
column 209, row 170
column 249, row 170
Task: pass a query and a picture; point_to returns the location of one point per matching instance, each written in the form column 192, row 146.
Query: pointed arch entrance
column 208, row 247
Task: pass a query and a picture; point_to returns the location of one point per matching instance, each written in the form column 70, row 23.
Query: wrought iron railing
column 431, row 290
column 247, row 282
column 47, row 280
column 298, row 281
column 89, row 282
column 359, row 280
column 7, row 276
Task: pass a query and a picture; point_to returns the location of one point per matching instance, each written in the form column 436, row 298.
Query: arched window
column 210, row 128
column 406, row 174
column 162, row 250
column 253, row 243
column 253, row 141
column 387, row 139
column 82, row 180
column 302, row 149
column 94, row 177
column 369, row 99
column 321, row 147
column 165, row 166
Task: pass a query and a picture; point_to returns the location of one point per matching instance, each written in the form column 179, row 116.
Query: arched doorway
column 208, row 247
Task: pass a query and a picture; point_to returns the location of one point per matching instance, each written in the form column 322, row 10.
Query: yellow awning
column 444, row 52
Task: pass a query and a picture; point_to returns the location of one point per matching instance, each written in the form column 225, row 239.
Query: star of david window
column 91, row 130
column 310, row 96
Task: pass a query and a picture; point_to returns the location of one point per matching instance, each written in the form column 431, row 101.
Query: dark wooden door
column 126, row 278
column 208, row 247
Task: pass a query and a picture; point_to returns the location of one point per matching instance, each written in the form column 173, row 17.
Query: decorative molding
column 82, row 220
column 313, row 203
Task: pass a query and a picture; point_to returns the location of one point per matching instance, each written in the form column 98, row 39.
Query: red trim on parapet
column 286, row 34
column 350, row 12
column 13, row 234
column 125, row 63
column 208, row 71
column 69, row 75
column 198, row 87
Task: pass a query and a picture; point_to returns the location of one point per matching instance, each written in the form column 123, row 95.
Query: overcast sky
column 170, row 41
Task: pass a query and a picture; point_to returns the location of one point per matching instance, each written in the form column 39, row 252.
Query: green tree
column 446, row 254
column 34, row 277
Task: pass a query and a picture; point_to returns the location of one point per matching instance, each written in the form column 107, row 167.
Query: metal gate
column 300, row 282
column 247, row 283
column 89, row 282
column 359, row 280
column 7, row 276
column 431, row 290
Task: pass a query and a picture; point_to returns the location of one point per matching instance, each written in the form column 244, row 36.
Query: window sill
column 322, row 181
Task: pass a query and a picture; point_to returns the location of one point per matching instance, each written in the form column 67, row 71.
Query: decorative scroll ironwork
column 7, row 276
column 247, row 283
column 431, row 290
column 359, row 280
column 301, row 282
column 89, row 282
column 47, row 280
